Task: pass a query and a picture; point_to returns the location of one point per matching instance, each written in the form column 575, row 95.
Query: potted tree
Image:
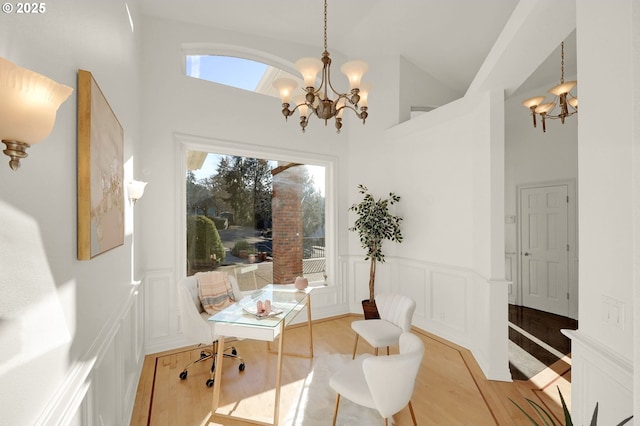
column 374, row 225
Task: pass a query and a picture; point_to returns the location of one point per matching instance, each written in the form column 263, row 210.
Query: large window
column 261, row 220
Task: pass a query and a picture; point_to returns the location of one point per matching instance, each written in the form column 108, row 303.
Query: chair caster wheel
column 210, row 383
column 183, row 375
column 234, row 352
column 241, row 367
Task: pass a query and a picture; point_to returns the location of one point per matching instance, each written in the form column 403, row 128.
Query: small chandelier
column 317, row 101
column 568, row 102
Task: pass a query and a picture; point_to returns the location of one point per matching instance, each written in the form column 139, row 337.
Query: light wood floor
column 450, row 388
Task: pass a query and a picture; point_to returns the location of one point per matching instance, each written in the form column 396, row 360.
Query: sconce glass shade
column 533, row 102
column 309, row 68
column 545, row 107
column 303, row 109
column 354, row 70
column 563, row 88
column 285, row 87
column 365, row 88
column 573, row 102
column 135, row 189
column 29, row 102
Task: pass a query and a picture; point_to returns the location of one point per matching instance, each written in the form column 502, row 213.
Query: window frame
column 186, row 143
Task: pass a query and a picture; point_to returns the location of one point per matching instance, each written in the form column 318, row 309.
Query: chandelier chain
column 562, row 63
column 325, row 25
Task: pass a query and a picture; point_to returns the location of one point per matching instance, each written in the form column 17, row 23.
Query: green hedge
column 203, row 240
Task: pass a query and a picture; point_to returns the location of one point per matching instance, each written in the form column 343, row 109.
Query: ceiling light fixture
column 568, row 102
column 317, row 100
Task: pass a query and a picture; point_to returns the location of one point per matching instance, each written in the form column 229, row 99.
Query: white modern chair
column 194, row 325
column 384, row 383
column 396, row 313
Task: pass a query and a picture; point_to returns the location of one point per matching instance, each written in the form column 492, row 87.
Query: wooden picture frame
column 100, row 172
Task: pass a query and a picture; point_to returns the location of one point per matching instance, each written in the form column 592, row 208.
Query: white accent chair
column 194, row 325
column 384, row 383
column 396, row 313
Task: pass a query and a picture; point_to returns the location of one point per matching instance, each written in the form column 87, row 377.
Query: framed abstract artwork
column 100, row 172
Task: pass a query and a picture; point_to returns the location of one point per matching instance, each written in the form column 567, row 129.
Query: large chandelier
column 568, row 103
column 317, row 100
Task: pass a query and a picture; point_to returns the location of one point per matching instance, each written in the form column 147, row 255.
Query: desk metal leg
column 276, row 410
column 218, row 374
column 310, row 328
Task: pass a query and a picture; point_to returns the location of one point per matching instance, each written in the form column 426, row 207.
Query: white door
column 544, row 248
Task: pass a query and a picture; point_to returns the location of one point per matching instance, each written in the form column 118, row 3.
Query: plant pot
column 370, row 309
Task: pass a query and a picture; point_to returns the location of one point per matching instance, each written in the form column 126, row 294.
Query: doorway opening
column 545, row 280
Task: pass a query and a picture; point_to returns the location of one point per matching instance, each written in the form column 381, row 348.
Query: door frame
column 572, row 239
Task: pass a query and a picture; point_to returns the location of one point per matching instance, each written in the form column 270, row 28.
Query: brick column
column 286, row 207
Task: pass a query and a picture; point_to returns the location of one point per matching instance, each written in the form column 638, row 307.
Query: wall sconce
column 135, row 189
column 28, row 106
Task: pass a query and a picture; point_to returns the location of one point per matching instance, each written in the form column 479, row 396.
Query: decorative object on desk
column 100, row 172
column 263, row 308
column 374, row 225
column 548, row 420
column 28, row 109
column 301, row 283
column 260, row 309
column 316, row 401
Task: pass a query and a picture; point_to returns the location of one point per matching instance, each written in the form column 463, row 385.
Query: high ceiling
column 449, row 39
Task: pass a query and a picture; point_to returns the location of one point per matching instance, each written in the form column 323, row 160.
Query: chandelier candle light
column 317, row 101
column 568, row 102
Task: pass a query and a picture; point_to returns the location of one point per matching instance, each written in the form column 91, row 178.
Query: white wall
column 452, row 210
column 178, row 110
column 57, row 315
column 608, row 174
column 419, row 89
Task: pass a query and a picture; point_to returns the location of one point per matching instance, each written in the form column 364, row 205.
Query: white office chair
column 195, row 325
column 384, row 383
column 396, row 313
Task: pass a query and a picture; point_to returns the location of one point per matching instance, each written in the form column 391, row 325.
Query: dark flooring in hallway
column 535, row 340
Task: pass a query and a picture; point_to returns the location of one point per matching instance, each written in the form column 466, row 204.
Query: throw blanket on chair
column 214, row 290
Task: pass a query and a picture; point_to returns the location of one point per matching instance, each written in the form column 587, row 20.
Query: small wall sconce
column 28, row 105
column 135, row 189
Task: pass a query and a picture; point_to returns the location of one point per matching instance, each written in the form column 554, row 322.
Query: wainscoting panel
column 159, row 320
column 599, row 376
column 411, row 280
column 100, row 387
column 105, row 407
column 448, row 294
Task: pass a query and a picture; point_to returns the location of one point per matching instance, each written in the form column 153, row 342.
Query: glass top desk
column 238, row 321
